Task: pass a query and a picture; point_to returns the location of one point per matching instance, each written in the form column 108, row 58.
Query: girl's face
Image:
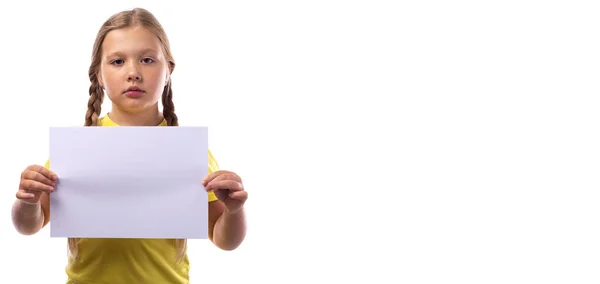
column 133, row 69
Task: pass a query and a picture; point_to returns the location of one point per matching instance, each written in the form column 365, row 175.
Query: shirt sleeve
column 213, row 166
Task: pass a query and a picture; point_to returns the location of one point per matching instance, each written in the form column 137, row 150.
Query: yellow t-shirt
column 130, row 261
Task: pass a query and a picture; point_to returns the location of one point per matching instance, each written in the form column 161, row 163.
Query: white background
column 438, row 142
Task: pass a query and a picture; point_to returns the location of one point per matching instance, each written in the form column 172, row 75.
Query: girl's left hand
column 228, row 188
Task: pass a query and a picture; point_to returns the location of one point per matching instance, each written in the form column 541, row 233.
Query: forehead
column 130, row 41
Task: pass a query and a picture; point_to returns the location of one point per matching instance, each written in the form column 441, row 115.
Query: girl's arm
column 226, row 230
column 30, row 218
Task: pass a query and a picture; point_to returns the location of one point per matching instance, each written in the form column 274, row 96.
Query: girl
column 132, row 63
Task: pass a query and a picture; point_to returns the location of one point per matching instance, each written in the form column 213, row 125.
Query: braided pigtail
column 94, row 103
column 168, row 106
column 171, row 118
column 91, row 119
column 181, row 245
column 73, row 247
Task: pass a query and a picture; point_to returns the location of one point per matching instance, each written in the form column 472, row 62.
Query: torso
column 127, row 261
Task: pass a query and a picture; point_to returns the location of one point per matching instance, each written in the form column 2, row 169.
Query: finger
column 32, row 185
column 39, row 177
column 24, row 195
column 224, row 176
column 44, row 171
column 211, row 176
column 225, row 184
column 220, row 174
column 239, row 195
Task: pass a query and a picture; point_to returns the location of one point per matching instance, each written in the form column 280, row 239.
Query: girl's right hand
column 35, row 179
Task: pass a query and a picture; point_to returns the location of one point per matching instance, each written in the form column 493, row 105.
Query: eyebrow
column 119, row 53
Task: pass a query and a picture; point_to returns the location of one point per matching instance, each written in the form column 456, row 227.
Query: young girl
column 132, row 64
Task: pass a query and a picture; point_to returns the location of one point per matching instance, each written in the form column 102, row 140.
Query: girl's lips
column 134, row 93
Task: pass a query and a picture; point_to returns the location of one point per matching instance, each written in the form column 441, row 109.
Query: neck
column 148, row 117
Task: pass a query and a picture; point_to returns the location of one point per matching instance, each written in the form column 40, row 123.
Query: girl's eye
column 117, row 61
column 147, row 60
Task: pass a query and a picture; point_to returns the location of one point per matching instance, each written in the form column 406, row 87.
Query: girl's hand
column 228, row 188
column 35, row 179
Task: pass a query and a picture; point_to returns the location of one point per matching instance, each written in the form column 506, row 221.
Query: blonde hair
column 125, row 19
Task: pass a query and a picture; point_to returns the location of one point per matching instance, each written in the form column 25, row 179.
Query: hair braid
column 94, row 103
column 91, row 119
column 171, row 118
column 168, row 106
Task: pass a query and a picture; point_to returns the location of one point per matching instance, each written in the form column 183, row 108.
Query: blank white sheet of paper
column 129, row 182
